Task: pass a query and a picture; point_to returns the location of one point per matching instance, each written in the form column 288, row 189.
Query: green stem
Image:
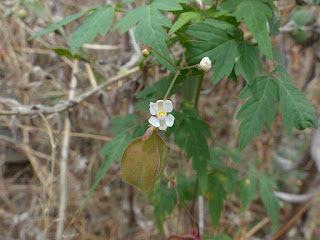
column 171, row 84
column 196, row 101
column 189, row 67
column 171, row 63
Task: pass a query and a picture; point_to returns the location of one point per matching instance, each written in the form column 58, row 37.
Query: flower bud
column 147, row 135
column 22, row 14
column 205, row 64
column 145, row 52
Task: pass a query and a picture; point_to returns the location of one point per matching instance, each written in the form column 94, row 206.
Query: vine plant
column 208, row 31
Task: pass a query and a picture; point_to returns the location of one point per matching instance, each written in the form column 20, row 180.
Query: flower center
column 162, row 115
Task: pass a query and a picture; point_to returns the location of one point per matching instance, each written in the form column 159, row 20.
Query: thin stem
column 189, row 67
column 171, row 84
column 184, row 206
column 195, row 193
column 196, row 101
column 171, row 63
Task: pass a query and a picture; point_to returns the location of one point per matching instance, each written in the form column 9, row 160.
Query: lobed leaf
column 258, row 109
column 249, row 61
column 255, row 14
column 216, row 195
column 61, row 23
column 98, row 21
column 183, row 19
column 269, row 200
column 248, row 191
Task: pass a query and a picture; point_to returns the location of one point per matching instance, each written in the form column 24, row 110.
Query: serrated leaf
column 255, row 14
column 190, row 132
column 248, row 191
column 113, row 151
column 216, row 195
column 122, row 123
column 150, row 22
column 249, row 62
column 98, row 21
column 231, row 180
column 61, row 23
column 170, row 5
column 183, row 19
column 258, row 109
column 296, row 109
column 143, row 162
column 164, row 201
column 269, row 200
column 214, row 43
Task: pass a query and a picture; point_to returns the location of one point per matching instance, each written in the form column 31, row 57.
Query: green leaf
column 113, row 151
column 255, row 14
column 190, row 132
column 98, row 21
column 269, row 200
column 61, row 23
column 296, row 108
column 249, row 62
column 122, row 123
column 164, row 201
column 217, row 195
column 150, row 22
column 231, row 179
column 183, row 19
column 223, row 237
column 143, row 162
column 63, row 52
column 248, row 191
column 258, row 109
column 214, row 43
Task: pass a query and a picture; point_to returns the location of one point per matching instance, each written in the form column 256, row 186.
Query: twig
column 184, row 206
column 284, row 229
column 53, row 159
column 64, row 158
column 61, row 105
column 57, row 132
column 256, row 228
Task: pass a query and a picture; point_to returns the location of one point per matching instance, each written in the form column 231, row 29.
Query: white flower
column 205, row 64
column 160, row 110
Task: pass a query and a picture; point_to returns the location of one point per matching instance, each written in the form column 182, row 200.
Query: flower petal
column 153, row 108
column 154, row 121
column 167, row 106
column 160, row 105
column 170, row 120
column 163, row 125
